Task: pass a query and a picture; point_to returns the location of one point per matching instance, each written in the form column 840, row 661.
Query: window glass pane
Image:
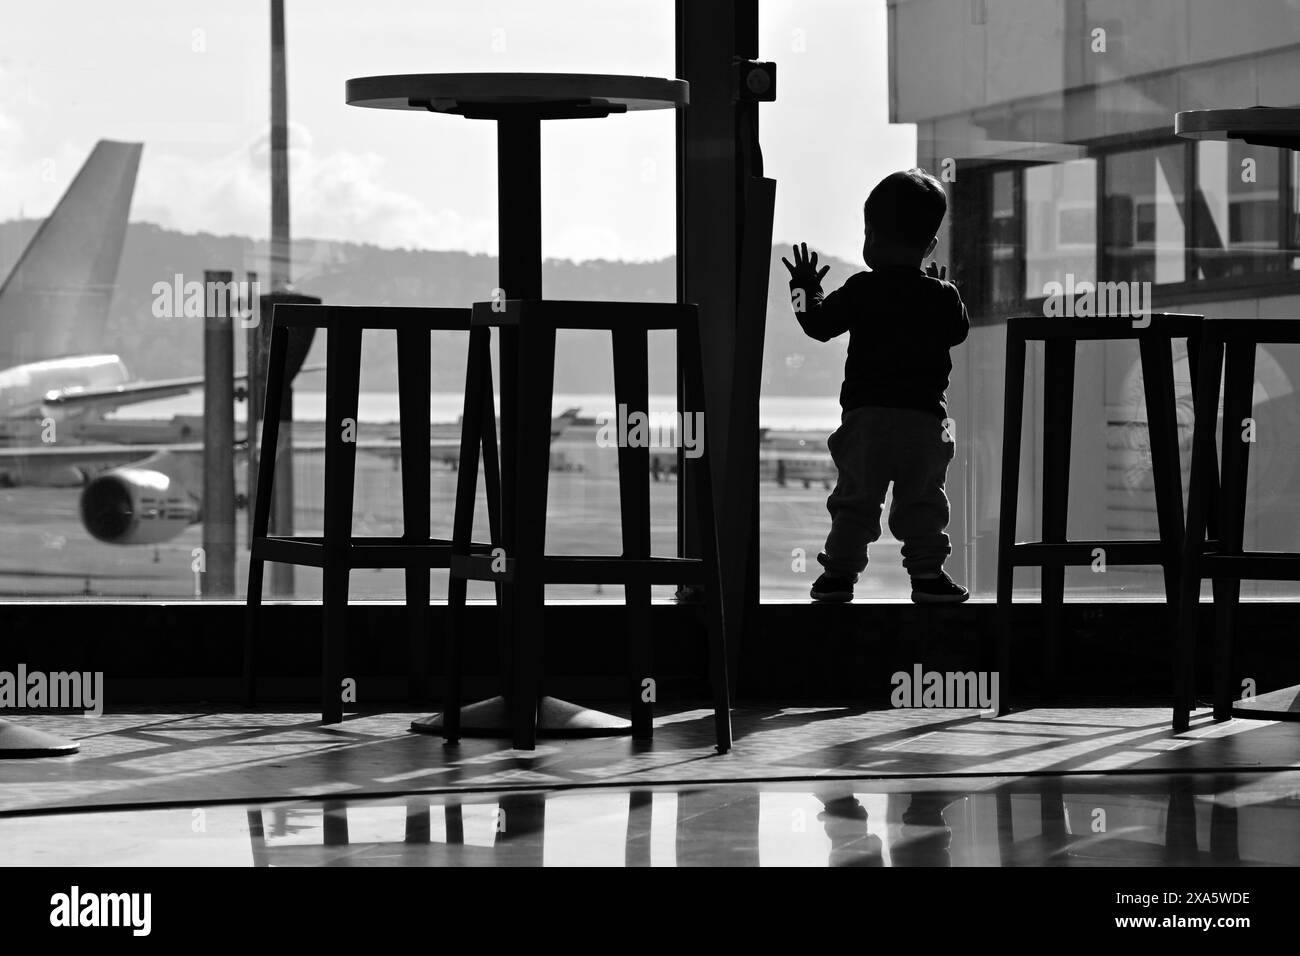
column 822, row 183
column 1293, row 210
column 1237, row 210
column 1004, row 239
column 1144, row 222
column 1060, row 224
column 387, row 209
column 1007, row 97
column 1029, row 90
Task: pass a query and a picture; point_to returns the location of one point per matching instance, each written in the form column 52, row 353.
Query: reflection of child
column 924, row 838
column 845, row 821
column 901, row 323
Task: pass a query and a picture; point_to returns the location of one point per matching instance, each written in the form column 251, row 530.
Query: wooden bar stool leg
column 1212, row 476
column 1180, row 828
column 1058, row 410
column 1013, row 410
column 1209, row 367
column 508, row 366
column 1051, row 819
column 453, row 815
column 1224, row 828
column 714, row 610
column 1219, row 586
column 418, row 820
column 491, row 462
column 478, row 366
column 1006, row 827
column 640, row 816
column 1238, row 427
column 342, row 391
column 413, row 382
column 272, row 405
column 1162, row 432
column 632, row 395
column 532, row 468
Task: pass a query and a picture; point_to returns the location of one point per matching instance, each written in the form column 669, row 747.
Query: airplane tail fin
column 56, row 299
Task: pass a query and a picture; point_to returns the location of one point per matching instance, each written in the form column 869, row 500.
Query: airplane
column 141, row 480
column 58, row 381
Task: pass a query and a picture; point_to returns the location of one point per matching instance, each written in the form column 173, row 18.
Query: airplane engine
column 136, row 505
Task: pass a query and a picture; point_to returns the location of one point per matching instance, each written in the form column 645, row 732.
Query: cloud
column 585, row 241
column 338, row 195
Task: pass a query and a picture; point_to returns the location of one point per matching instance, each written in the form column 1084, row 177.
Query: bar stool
column 1054, row 553
column 337, row 551
column 525, row 569
column 1228, row 347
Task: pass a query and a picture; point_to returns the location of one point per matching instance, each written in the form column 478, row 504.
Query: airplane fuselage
column 23, row 388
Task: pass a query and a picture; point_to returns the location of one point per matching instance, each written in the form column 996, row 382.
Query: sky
column 190, row 81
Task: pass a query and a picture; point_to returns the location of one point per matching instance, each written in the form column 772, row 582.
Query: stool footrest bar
column 603, row 569
column 362, row 552
column 1252, row 566
column 1080, row 553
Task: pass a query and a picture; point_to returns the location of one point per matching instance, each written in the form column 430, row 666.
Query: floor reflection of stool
column 1228, row 347
column 337, row 552
column 524, row 569
column 1054, row 553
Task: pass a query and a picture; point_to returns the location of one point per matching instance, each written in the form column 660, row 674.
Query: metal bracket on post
column 259, row 346
column 753, row 81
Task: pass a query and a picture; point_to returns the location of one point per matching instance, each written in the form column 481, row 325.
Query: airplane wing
column 71, row 465
column 22, row 463
column 104, row 454
column 117, row 396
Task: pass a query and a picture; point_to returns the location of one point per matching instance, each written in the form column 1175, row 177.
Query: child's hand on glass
column 804, row 271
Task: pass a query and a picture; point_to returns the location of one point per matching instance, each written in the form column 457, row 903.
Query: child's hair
column 907, row 207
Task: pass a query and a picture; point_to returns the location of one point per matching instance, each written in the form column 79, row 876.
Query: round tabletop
column 1265, row 125
column 491, row 94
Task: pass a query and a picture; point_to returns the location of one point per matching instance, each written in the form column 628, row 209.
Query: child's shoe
column 833, row 588
column 938, row 590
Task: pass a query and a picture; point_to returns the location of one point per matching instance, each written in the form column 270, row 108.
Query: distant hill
column 348, row 273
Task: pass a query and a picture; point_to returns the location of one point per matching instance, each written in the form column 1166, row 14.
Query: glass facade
column 1056, row 151
column 1058, row 119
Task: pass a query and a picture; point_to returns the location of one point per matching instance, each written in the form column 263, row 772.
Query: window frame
column 986, row 311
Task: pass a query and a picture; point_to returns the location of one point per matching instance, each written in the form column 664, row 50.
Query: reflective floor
column 1077, row 820
column 188, row 758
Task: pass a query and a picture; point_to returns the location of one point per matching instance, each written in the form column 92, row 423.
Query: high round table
column 518, row 102
column 1258, row 126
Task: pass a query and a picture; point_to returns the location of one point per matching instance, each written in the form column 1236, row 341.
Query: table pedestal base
column 22, row 743
column 1281, row 704
column 555, row 718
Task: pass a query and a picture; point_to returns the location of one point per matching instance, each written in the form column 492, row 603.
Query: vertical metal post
column 280, row 251
column 282, row 575
column 218, row 579
column 707, row 219
column 257, row 342
column 718, row 157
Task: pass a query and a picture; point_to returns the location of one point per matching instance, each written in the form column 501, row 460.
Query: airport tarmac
column 45, row 551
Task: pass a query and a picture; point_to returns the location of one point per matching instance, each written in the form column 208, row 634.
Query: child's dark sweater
column 901, row 324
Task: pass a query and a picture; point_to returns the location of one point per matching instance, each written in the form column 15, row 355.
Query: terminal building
column 1052, row 125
